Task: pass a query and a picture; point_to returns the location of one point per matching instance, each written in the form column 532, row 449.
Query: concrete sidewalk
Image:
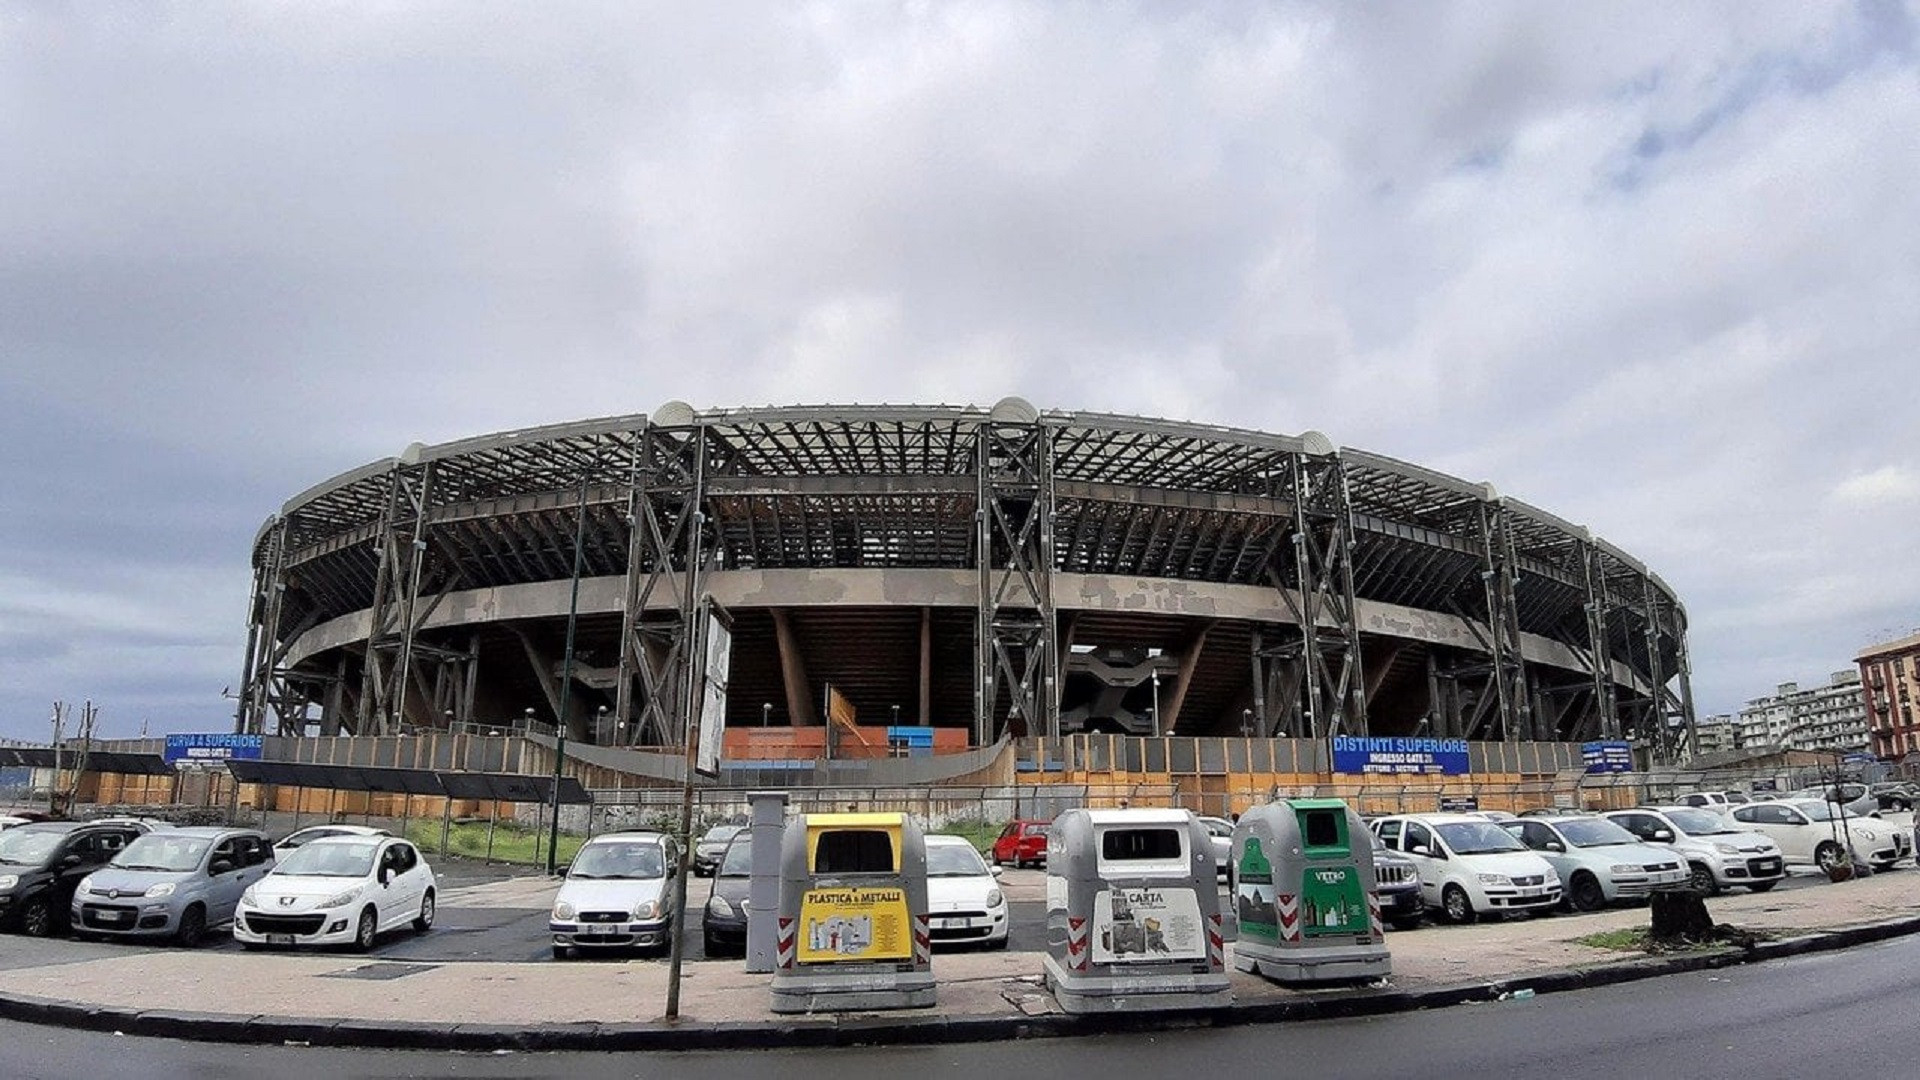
column 333, row 999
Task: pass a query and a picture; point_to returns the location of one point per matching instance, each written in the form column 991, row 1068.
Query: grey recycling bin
column 1133, row 913
column 1305, row 895
column 852, row 930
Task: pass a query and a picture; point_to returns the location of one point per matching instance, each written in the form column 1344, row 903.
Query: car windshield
column 334, row 858
column 720, row 834
column 28, row 847
column 954, row 860
column 307, row 836
column 1701, row 823
column 159, row 851
column 738, row 861
column 619, row 859
column 1595, row 832
column 1477, row 838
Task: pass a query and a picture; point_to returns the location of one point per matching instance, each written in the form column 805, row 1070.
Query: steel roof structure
column 947, row 565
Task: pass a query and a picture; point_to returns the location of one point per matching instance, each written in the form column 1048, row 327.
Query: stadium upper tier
column 1158, row 577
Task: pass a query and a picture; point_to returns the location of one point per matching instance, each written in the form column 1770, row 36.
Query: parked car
column 617, row 895
column 1397, row 881
column 1719, row 852
column 1600, row 862
column 1021, row 843
column 1470, row 866
column 711, row 845
column 1895, row 795
column 176, row 883
column 338, row 890
column 8, row 821
column 1858, row 801
column 723, row 923
column 41, row 864
column 1220, row 832
column 1811, row 832
column 1715, row 801
column 1492, row 815
column 964, row 901
column 300, row 837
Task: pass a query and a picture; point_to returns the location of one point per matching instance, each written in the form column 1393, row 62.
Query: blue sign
column 214, row 747
column 1607, row 757
column 1400, row 755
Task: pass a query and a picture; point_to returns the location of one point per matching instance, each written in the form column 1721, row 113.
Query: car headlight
column 994, row 898
column 339, row 899
column 1726, row 849
column 86, row 884
column 647, row 909
column 1553, row 876
column 162, row 889
column 563, row 911
column 1624, row 868
column 250, row 897
column 8, row 881
column 719, row 907
column 1495, row 879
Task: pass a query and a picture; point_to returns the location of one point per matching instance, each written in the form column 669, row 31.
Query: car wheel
column 1827, row 856
column 1454, row 902
column 36, row 918
column 561, row 952
column 193, row 926
column 1585, row 894
column 1405, row 924
column 1701, row 880
column 424, row 922
column 367, row 929
column 709, row 945
column 999, row 944
column 1762, row 886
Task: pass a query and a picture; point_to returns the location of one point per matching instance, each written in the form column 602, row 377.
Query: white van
column 1470, row 866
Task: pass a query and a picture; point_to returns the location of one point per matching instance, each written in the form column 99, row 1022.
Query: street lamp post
column 566, row 670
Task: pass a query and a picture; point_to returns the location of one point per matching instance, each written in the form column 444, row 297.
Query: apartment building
column 1830, row 717
column 1890, row 678
column 1714, row 734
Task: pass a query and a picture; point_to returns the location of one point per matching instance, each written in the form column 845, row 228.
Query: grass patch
column 512, row 843
column 981, row 834
column 1616, row 940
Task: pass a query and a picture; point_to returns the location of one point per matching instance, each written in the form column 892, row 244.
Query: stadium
column 949, row 576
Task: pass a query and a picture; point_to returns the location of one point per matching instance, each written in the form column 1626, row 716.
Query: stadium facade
column 987, row 571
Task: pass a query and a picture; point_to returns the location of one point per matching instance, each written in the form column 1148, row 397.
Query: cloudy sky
column 1653, row 267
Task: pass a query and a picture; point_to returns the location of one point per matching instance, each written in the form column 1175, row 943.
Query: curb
column 870, row 1030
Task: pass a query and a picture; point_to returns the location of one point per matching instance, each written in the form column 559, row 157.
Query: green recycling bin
column 1305, row 895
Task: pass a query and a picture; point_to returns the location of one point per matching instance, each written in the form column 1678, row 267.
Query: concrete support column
column 793, row 673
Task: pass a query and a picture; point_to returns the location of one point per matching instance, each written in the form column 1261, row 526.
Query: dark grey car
column 174, row 883
column 723, row 923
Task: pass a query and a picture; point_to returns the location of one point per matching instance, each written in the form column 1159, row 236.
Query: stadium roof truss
column 672, row 504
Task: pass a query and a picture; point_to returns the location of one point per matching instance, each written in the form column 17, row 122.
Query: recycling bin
column 1305, row 895
column 852, row 929
column 1133, row 913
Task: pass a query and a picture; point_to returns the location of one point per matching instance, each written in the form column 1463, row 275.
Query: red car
column 1021, row 843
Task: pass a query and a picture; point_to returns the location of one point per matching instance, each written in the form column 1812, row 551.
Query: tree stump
column 1680, row 916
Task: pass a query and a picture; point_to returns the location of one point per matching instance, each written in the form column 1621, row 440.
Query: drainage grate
column 381, row 971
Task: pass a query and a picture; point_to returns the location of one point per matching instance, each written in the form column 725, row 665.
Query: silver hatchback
column 172, row 883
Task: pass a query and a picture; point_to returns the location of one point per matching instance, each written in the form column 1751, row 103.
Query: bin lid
column 1137, row 817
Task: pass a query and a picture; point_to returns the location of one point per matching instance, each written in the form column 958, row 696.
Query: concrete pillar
column 763, row 891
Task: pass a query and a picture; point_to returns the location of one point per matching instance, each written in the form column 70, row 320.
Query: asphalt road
column 1831, row 1014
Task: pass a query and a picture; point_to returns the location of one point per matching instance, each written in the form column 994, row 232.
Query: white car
column 320, row 832
column 1600, row 862
column 1812, row 833
column 1719, row 853
column 338, row 890
column 964, row 900
column 1470, row 866
column 1220, row 834
column 618, row 895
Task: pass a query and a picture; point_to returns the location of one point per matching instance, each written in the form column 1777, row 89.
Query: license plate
column 949, row 924
column 602, row 930
column 115, row 916
column 1769, row 865
column 279, row 939
column 1533, row 892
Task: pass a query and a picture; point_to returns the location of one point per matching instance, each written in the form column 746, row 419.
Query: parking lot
column 499, row 914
